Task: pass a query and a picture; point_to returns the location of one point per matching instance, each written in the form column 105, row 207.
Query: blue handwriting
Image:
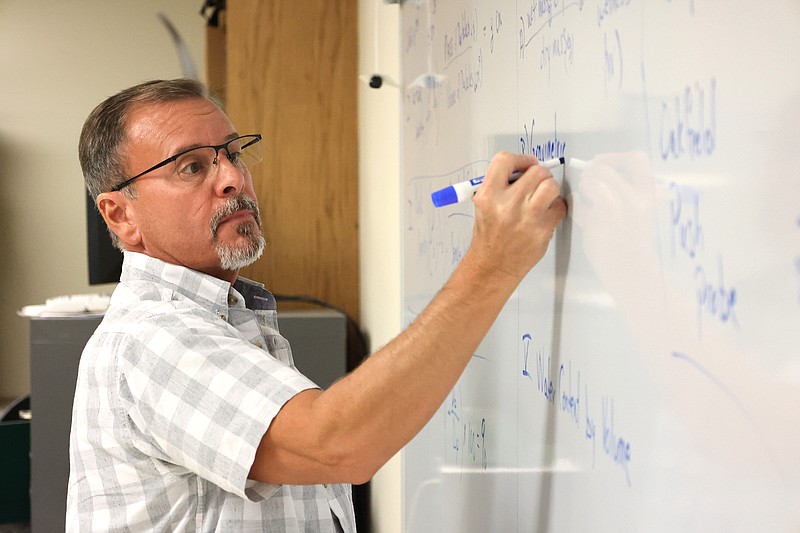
column 467, row 439
column 562, row 46
column 687, row 232
column 590, row 427
column 549, row 149
column 573, row 402
column 613, row 60
column 526, row 341
column 607, row 8
column 543, row 380
column 714, row 298
column 493, row 28
column 539, row 15
column 570, row 403
column 614, row 445
column 689, row 123
column 465, row 34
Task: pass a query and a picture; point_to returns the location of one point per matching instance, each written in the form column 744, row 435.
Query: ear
column 119, row 215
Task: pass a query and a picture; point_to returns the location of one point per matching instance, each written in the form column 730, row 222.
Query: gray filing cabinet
column 318, row 340
column 56, row 346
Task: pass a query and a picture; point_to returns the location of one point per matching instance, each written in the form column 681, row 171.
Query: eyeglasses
column 197, row 164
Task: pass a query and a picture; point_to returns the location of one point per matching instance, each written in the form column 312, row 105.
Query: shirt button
column 258, row 344
column 222, row 316
column 232, row 300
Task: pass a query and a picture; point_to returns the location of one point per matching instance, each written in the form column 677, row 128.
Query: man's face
column 211, row 225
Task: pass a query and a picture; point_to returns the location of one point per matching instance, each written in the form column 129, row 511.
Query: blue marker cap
column 446, row 196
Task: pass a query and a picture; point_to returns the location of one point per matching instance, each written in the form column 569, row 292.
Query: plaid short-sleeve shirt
column 175, row 390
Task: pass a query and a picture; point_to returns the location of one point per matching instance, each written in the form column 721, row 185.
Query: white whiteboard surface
column 646, row 374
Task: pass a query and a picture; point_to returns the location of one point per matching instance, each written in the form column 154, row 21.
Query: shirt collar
column 206, row 290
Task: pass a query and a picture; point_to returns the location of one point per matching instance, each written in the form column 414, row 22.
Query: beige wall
column 379, row 171
column 59, row 59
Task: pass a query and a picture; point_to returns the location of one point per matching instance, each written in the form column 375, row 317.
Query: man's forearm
column 391, row 396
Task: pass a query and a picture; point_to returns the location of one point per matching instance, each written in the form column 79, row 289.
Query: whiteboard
column 645, row 376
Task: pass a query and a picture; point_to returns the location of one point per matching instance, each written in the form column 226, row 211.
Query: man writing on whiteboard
column 188, row 412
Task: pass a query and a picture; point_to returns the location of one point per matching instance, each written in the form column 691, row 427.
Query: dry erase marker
column 466, row 189
column 577, row 164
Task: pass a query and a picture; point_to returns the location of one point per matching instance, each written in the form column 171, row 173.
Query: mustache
column 232, row 205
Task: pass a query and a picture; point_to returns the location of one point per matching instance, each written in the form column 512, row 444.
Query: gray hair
column 105, row 131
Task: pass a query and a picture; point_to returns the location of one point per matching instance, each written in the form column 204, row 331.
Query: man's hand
column 514, row 223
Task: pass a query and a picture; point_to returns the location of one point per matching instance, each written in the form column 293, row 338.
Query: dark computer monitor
column 105, row 261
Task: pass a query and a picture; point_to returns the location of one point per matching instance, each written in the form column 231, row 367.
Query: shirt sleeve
column 200, row 396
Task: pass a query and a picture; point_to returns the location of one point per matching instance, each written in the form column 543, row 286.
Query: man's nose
column 229, row 177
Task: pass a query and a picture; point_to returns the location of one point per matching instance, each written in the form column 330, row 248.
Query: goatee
column 239, row 255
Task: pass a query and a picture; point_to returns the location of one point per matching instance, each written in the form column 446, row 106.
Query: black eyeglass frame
column 255, row 137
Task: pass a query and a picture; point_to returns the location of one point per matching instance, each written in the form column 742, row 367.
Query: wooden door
column 291, row 74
